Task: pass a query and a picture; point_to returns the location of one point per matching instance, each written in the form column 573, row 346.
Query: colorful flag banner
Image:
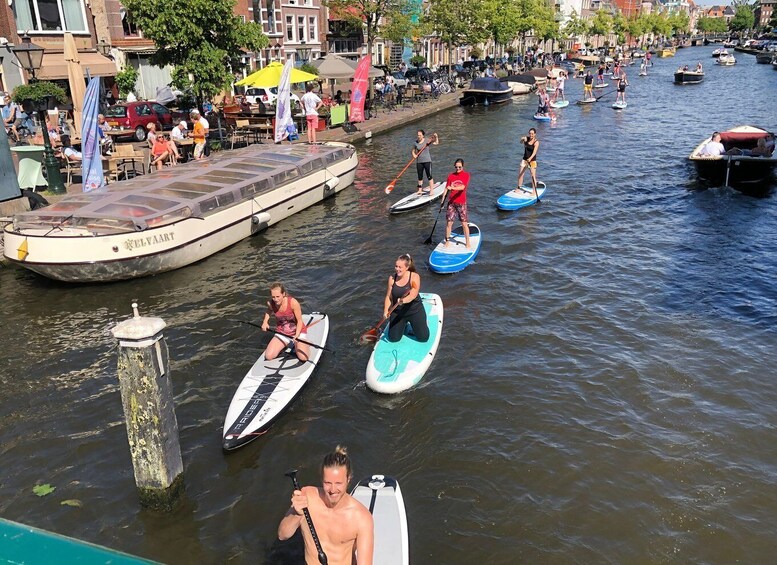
column 283, row 120
column 92, row 163
column 360, row 84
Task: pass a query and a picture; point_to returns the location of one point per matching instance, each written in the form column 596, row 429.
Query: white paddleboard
column 270, row 386
column 587, row 101
column 619, row 105
column 605, row 85
column 397, row 366
column 415, row 200
column 383, row 498
column 559, row 104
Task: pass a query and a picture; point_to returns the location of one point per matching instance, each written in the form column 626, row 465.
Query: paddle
column 373, row 334
column 428, row 240
column 391, row 185
column 605, row 94
column 299, row 339
column 321, row 555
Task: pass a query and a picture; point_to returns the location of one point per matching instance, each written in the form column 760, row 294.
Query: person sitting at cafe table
column 51, row 126
column 68, row 151
column 172, row 148
column 160, row 151
column 179, row 131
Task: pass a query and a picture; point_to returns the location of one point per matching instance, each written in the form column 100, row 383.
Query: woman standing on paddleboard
column 289, row 325
column 423, row 158
column 456, row 184
column 402, row 294
column 531, row 146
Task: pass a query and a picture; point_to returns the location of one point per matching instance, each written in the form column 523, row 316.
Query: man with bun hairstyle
column 344, row 526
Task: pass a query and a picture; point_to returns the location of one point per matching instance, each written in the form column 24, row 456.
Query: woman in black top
column 403, row 289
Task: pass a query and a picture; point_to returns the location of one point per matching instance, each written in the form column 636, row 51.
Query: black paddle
column 605, row 94
column 299, row 339
column 321, row 555
column 429, row 239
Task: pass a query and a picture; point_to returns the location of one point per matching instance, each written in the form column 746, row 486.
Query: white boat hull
column 75, row 255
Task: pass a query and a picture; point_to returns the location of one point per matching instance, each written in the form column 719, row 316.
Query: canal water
column 603, row 393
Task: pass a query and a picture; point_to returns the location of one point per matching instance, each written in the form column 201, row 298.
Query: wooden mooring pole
column 147, row 397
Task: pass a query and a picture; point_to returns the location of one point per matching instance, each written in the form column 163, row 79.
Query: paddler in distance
column 423, row 159
column 289, row 325
column 343, row 525
column 457, row 204
column 402, row 297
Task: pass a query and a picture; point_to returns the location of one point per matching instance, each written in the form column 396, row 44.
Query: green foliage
column 744, row 19
column 456, row 22
column 601, row 24
column 575, row 26
column 476, row 52
column 679, row 22
column 43, row 490
column 308, row 68
column 378, row 18
column 619, row 26
column 773, row 21
column 635, row 27
column 201, row 39
column 38, row 91
column 417, row 60
column 126, row 79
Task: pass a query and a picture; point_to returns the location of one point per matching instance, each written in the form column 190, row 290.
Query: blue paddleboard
column 397, row 366
column 455, row 257
column 542, row 117
column 516, row 199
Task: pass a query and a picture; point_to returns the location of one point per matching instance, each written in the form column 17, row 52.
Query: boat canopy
column 488, row 84
column 196, row 189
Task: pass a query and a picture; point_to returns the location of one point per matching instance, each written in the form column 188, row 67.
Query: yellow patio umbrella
column 270, row 76
column 75, row 76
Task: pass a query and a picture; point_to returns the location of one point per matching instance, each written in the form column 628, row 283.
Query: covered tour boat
column 486, row 90
column 726, row 60
column 175, row 217
column 688, row 77
column 739, row 167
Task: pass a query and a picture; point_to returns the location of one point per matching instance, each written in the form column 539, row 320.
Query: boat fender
column 330, row 185
column 261, row 218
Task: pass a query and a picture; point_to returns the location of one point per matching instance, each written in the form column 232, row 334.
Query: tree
column 575, row 27
column 743, row 19
column 601, row 24
column 620, row 26
column 680, row 22
column 202, row 39
column 502, row 20
column 126, row 79
column 455, row 22
column 706, row 25
column 392, row 19
column 773, row 21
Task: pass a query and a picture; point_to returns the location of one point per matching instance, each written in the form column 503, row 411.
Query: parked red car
column 137, row 115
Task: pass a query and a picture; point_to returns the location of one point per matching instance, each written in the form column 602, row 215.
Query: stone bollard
column 147, row 397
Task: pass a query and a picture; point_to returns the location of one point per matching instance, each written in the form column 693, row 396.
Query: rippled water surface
column 603, row 393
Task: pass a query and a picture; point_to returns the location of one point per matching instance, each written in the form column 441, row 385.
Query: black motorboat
column 688, row 77
column 486, row 91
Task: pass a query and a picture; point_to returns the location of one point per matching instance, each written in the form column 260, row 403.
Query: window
column 301, row 27
column 50, row 15
column 290, row 28
column 312, row 29
column 271, row 16
column 127, row 24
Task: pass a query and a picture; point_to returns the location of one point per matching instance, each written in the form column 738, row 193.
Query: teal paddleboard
column 397, row 366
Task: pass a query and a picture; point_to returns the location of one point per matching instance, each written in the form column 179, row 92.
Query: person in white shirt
column 68, row 151
column 179, row 131
column 311, row 102
column 713, row 147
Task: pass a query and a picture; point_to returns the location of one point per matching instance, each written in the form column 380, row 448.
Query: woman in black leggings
column 403, row 289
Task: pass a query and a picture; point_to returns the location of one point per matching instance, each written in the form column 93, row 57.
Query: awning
column 54, row 65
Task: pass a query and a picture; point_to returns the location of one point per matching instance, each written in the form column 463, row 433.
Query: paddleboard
column 397, row 366
column 619, row 105
column 559, row 104
column 605, row 85
column 543, row 117
column 383, row 498
column 587, row 101
column 269, row 387
column 550, row 89
column 455, row 257
column 514, row 200
column 413, row 201
column 643, row 74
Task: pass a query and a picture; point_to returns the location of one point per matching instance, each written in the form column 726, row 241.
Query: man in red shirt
column 457, row 203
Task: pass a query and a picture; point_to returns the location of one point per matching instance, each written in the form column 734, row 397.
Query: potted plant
column 126, row 80
column 38, row 96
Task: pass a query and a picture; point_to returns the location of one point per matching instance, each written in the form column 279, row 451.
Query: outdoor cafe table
column 116, row 133
column 30, row 166
column 187, row 146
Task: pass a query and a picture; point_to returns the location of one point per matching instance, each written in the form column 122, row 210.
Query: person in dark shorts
column 403, row 288
column 529, row 162
column 423, row 158
column 622, row 84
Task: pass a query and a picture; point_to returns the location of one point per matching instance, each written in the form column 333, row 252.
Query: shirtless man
column 343, row 525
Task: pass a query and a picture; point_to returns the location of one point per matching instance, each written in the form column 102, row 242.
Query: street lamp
column 103, row 48
column 303, row 52
column 30, row 58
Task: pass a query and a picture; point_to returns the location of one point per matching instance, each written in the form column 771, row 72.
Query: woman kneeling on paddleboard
column 402, row 294
column 288, row 324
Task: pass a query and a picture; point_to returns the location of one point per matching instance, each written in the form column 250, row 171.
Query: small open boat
column 739, row 169
column 688, row 77
column 718, row 52
column 726, row 60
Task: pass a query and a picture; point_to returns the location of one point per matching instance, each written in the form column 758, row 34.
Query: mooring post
column 147, row 397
